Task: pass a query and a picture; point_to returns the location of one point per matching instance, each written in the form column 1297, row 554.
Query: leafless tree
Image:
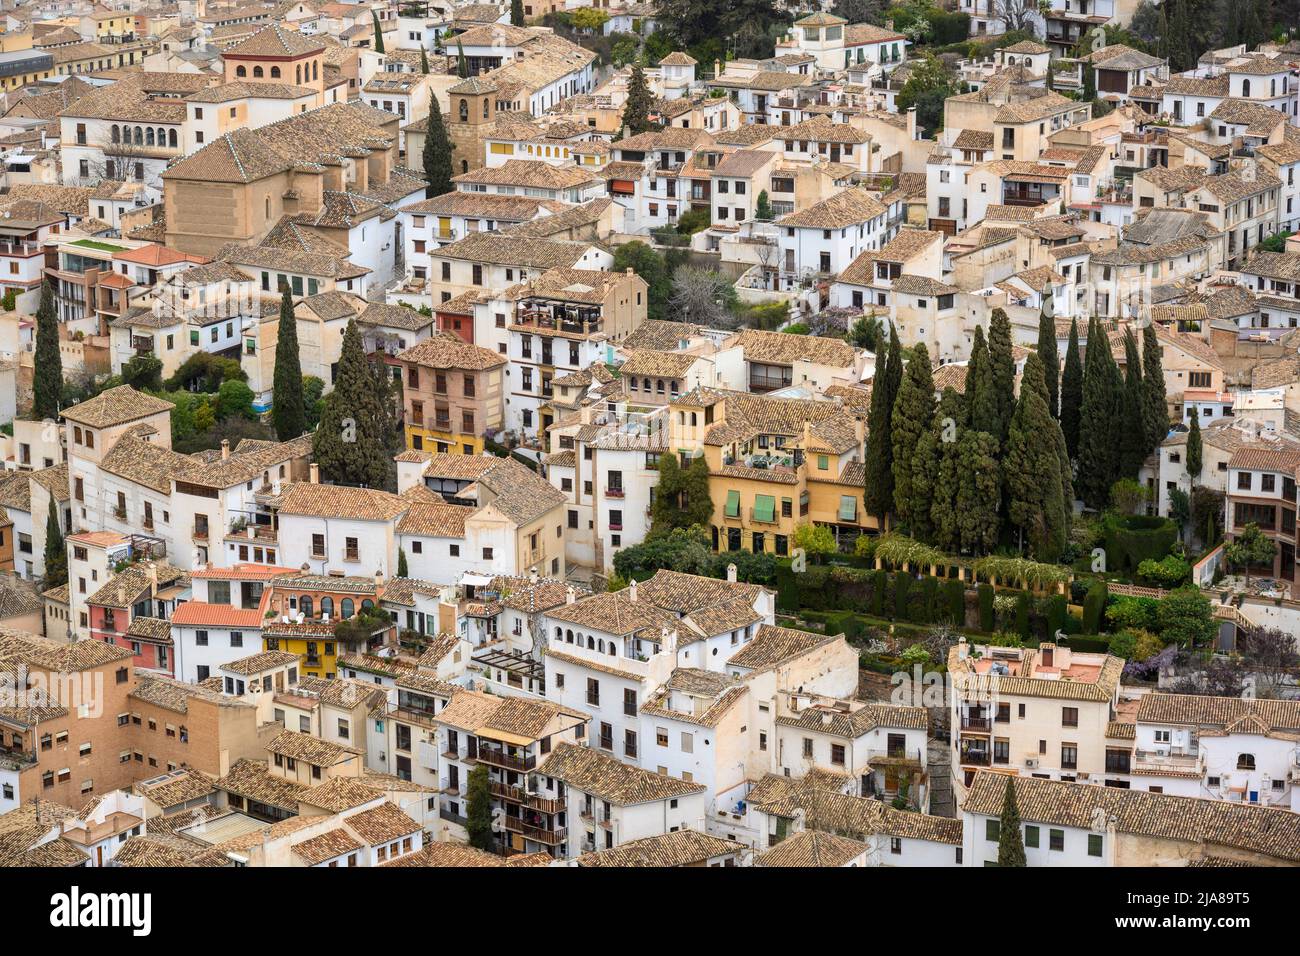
column 1271, row 657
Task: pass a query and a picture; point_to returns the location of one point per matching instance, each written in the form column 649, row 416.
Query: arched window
column 367, row 604
column 591, row 644
column 464, row 111
column 600, row 645
column 171, row 138
column 694, row 419
column 275, row 72
column 315, row 69
column 268, row 207
column 485, row 108
column 1245, row 761
column 241, row 71
column 139, row 136
column 347, row 608
column 110, row 169
column 612, row 652
column 304, row 605
column 645, row 385
column 464, row 165
column 327, row 606
column 1245, row 87
column 148, row 136
column 568, row 636
column 257, row 73
column 116, row 133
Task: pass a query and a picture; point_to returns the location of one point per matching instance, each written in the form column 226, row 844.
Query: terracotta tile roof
column 251, row 779
column 260, row 662
column 203, row 614
column 845, row 208
column 773, row 646
column 434, row 519
column 608, row 778
column 274, row 41
column 1265, row 831
column 682, row 848
column 443, row 350
column 326, row 846
column 341, row 501
column 116, row 406
column 309, row 749
column 854, row 723
column 812, row 848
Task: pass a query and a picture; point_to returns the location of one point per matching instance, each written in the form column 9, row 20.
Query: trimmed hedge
column 952, row 600
column 1022, row 615
column 988, row 620
column 1094, row 607
column 1132, row 539
column 1057, row 611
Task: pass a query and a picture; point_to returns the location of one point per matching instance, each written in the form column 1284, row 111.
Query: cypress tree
column 1032, row 469
column 913, row 416
column 56, row 552
column 1072, row 392
column 949, row 425
column 1195, row 451
column 636, row 111
column 424, row 60
column 462, row 64
column 1003, row 364
column 379, row 33
column 349, row 445
column 878, row 495
column 979, row 387
column 1051, row 357
column 288, row 409
column 664, row 513
column 979, row 491
column 437, row 152
column 696, row 504
column 1153, row 390
column 1098, row 456
column 1133, row 424
column 1180, row 38
column 517, row 13
column 1011, row 843
column 47, row 378
column 402, row 570
column 478, row 808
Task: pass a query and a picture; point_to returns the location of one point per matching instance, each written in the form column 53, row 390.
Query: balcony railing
column 540, row 834
column 499, row 758
column 517, row 795
column 977, row 723
column 615, row 492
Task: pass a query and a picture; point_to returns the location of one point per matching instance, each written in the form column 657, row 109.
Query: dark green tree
column 478, row 809
column 912, row 418
column 949, row 425
column 879, row 466
column 143, row 372
column 351, row 445
column 1249, row 546
column 424, row 60
column 1155, row 411
column 437, row 153
column 1011, row 842
column 696, row 503
column 636, row 111
column 1051, row 357
column 288, row 413
column 979, row 491
column 462, row 64
column 379, row 33
column 1072, row 392
column 1098, row 456
column 980, row 397
column 56, row 552
column 1181, row 56
column 1003, row 366
column 651, row 266
column 402, row 570
column 1032, row 469
column 47, row 378
column 1195, row 451
column 1133, row 424
column 517, row 13
column 763, row 206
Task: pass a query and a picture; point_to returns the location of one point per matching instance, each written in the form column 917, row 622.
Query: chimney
column 153, row 579
column 225, row 448
column 314, row 474
column 962, row 649
column 717, row 69
column 379, row 577
column 731, row 574
column 570, row 595
column 631, row 591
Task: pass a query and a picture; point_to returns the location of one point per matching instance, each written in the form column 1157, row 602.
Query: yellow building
column 775, row 464
column 452, row 394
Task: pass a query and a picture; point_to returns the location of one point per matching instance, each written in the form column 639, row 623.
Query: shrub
column 1132, row 539
column 929, row 591
column 986, row 607
column 952, row 602
column 1056, row 610
column 1169, row 572
column 1094, row 603
column 879, row 585
column 902, row 586
column 1022, row 614
column 1130, row 613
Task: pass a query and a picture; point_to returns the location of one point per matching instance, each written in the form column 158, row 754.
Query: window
column 1094, row 844
column 837, row 754
column 1069, row 716
column 1031, row 837
column 1069, row 756
column 1245, row 761
column 992, row 829
column 1056, row 840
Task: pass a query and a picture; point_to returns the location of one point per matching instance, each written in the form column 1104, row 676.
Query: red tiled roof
column 242, row 572
column 215, row 615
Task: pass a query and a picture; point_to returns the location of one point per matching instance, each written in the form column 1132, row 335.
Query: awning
column 476, row 580
column 733, row 504
column 765, row 508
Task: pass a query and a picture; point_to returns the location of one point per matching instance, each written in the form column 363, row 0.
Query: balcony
column 518, row 795
column 499, row 758
column 615, row 492
column 200, row 533
column 769, row 383
column 539, row 834
column 450, row 817
column 981, row 724
column 896, row 757
column 977, row 756
column 1176, row 760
